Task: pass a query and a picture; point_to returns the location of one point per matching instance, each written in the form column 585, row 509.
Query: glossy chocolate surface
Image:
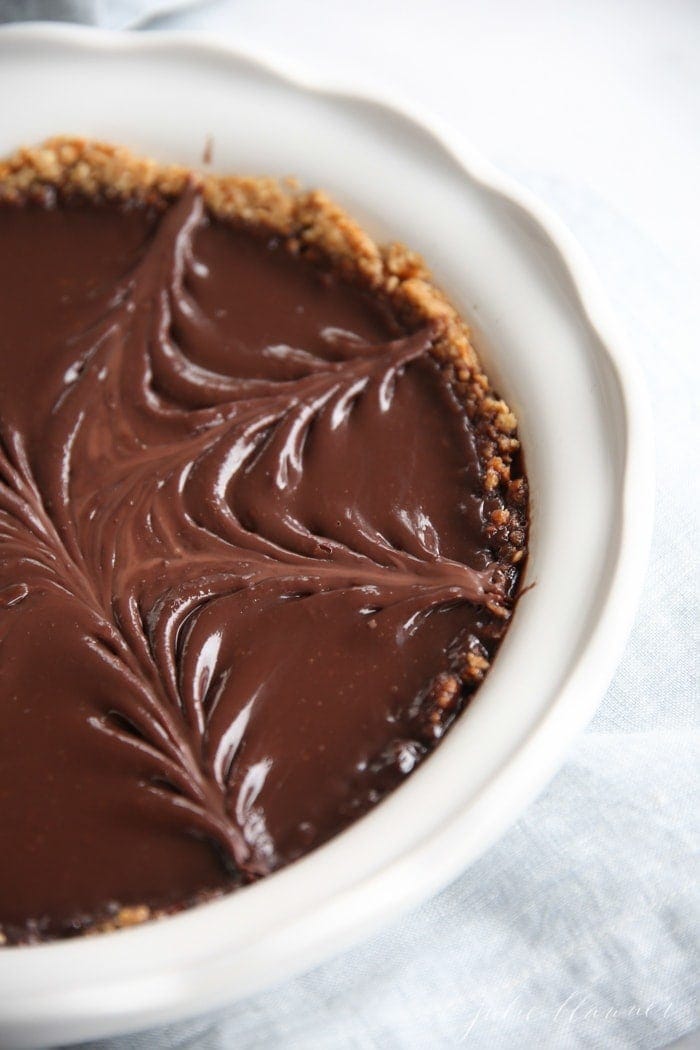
column 243, row 555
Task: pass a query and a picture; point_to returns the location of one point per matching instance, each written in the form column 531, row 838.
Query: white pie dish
column 549, row 344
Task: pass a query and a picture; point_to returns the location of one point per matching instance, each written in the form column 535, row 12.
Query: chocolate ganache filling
column 244, row 557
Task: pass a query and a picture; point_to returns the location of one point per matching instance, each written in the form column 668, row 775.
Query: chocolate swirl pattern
column 243, row 557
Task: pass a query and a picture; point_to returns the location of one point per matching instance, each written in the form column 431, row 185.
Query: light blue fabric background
column 581, row 927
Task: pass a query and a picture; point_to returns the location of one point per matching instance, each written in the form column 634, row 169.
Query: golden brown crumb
column 439, row 706
column 133, row 915
column 475, row 667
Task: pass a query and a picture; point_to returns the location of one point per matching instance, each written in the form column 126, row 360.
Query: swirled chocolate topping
column 248, row 573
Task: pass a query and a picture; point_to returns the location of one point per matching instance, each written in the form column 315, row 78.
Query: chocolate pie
column 262, row 527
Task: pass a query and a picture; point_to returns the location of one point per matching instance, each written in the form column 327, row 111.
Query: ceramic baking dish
column 548, row 341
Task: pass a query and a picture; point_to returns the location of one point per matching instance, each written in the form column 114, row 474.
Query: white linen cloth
column 581, row 928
